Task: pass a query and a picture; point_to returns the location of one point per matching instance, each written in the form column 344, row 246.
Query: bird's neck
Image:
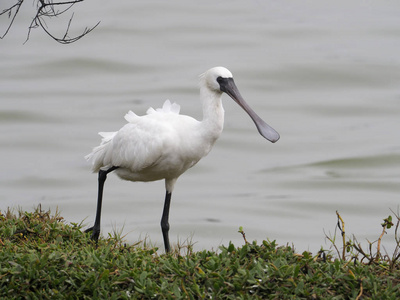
column 213, row 112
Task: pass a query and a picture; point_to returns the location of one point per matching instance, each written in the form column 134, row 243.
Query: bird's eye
column 223, row 82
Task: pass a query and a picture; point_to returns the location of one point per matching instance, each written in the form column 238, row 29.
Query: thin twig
column 359, row 249
column 387, row 223
column 333, row 242
column 243, row 234
column 378, row 249
column 46, row 9
column 361, row 291
column 17, row 6
column 343, row 234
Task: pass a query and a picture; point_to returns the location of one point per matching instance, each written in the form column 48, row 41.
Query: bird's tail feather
column 97, row 156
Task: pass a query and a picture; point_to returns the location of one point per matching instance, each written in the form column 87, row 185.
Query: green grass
column 43, row 257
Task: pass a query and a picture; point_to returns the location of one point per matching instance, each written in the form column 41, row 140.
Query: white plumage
column 163, row 144
column 154, row 146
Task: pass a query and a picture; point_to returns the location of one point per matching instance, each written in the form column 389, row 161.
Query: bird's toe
column 90, row 229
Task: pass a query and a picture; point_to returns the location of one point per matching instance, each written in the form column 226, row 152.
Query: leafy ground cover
column 43, row 257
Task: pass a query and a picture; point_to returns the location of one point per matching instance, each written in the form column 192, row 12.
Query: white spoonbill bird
column 163, row 144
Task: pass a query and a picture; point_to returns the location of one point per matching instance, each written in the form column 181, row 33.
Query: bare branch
column 11, row 15
column 47, row 9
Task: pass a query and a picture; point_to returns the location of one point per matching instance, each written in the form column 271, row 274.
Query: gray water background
column 326, row 75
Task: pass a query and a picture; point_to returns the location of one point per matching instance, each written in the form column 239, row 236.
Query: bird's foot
column 89, row 229
column 95, row 233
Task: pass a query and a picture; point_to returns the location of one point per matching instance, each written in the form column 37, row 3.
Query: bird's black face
column 228, row 86
column 224, row 83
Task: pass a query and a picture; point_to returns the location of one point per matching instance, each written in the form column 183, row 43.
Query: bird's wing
column 145, row 139
column 140, row 143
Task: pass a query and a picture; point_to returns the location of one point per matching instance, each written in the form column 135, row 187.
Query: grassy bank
column 43, row 257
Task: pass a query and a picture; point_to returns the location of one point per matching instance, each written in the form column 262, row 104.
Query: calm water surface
column 325, row 75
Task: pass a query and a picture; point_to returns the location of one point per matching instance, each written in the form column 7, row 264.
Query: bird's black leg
column 96, row 227
column 164, row 221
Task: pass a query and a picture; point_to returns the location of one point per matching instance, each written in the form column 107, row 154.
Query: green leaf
column 231, row 247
